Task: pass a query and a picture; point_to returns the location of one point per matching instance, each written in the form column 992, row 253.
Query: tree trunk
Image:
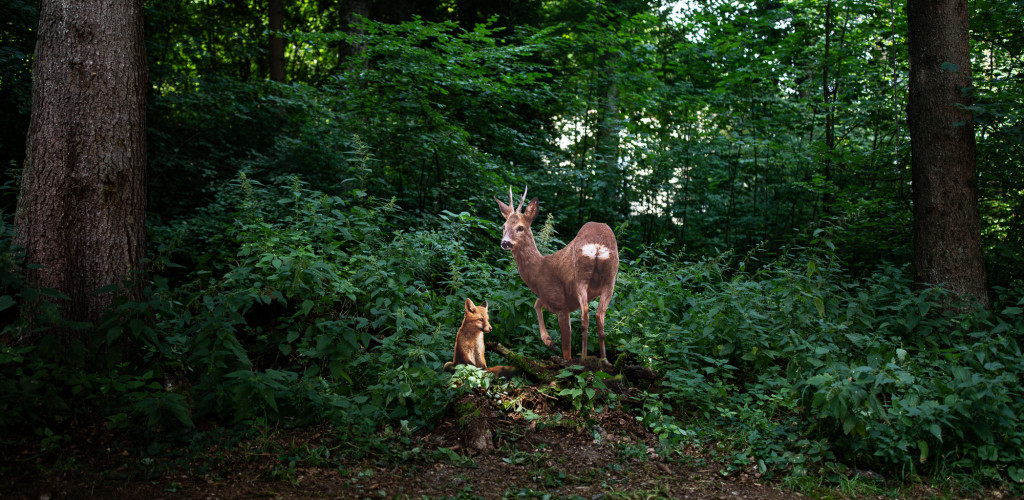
column 82, row 205
column 350, row 12
column 606, row 147
column 276, row 42
column 947, row 229
column 828, row 94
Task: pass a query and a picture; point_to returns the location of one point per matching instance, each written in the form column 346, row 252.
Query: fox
column 469, row 342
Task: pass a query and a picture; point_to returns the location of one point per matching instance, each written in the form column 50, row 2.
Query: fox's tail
column 500, row 371
column 505, row 371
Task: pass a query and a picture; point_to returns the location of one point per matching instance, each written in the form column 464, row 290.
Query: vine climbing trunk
column 947, row 227
column 82, row 204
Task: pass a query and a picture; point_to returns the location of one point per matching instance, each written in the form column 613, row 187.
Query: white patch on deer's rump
column 594, row 250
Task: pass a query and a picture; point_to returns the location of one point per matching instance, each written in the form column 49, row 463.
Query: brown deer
column 568, row 279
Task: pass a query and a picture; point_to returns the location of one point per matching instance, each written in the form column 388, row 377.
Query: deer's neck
column 528, row 260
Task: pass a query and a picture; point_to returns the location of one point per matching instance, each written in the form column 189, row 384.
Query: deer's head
column 517, row 221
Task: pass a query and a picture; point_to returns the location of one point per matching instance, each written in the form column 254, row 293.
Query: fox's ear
column 470, row 308
column 484, row 305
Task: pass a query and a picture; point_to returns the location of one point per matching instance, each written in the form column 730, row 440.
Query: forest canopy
column 319, row 181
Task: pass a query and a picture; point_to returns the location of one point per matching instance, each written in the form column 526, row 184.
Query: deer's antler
column 521, row 200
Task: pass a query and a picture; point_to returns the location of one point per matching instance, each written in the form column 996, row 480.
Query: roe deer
column 469, row 341
column 568, row 279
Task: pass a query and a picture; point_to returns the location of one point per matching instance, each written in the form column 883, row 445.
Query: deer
column 568, row 279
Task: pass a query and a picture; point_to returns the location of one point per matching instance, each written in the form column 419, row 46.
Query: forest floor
column 480, row 449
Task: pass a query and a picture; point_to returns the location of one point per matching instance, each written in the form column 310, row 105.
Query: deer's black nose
column 506, row 245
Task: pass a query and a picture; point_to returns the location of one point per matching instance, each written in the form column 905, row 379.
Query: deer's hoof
column 551, row 344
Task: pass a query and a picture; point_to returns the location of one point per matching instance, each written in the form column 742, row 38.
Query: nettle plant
column 310, row 305
column 794, row 365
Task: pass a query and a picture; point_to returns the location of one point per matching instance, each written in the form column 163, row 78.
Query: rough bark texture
column 947, row 228
column 276, row 43
column 81, row 209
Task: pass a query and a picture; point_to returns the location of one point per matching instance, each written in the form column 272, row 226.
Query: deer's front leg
column 563, row 325
column 544, row 337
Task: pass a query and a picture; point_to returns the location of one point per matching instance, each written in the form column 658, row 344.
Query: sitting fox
column 469, row 341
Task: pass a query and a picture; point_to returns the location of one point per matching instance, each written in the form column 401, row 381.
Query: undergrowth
column 796, row 369
column 299, row 307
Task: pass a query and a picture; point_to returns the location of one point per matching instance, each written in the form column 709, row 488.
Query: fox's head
column 476, row 316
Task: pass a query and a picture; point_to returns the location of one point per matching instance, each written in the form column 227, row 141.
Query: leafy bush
column 794, row 365
column 310, row 306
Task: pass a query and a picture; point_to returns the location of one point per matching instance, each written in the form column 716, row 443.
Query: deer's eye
column 520, row 229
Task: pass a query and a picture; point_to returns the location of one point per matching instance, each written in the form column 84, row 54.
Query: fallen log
column 525, row 366
column 635, row 374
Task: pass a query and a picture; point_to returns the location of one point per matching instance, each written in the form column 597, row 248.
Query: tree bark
column 947, row 227
column 276, row 42
column 82, row 204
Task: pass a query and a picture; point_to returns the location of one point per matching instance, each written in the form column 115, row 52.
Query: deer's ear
column 484, row 305
column 470, row 308
column 531, row 210
column 505, row 209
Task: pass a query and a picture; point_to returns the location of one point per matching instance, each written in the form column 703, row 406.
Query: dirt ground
column 481, row 449
column 492, row 454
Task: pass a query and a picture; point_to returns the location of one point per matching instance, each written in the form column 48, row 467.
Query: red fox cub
column 469, row 341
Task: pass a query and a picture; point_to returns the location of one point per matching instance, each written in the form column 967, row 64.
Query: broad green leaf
column 988, row 452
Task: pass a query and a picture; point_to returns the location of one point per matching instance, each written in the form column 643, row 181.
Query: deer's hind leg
column 584, row 318
column 602, row 307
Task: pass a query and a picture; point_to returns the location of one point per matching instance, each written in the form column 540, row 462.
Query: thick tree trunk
column 276, row 43
column 82, row 205
column 947, row 229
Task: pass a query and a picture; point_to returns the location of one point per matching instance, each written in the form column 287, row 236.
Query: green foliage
column 311, row 243
column 17, row 44
column 448, row 109
column 795, row 365
column 725, row 127
column 309, row 307
column 313, row 306
column 582, row 387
